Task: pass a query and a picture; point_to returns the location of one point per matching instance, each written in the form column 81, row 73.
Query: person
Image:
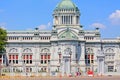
column 78, row 73
column 90, row 73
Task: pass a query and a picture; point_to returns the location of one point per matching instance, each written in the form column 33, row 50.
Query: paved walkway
column 61, row 78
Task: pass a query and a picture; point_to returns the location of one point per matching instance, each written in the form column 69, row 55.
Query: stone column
column 67, row 65
column 5, row 60
column 53, row 57
column 100, row 66
column 63, row 65
column 82, row 57
column 20, row 57
column 2, row 59
column 59, row 20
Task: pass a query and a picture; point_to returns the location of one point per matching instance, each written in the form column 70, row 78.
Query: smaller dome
column 66, row 4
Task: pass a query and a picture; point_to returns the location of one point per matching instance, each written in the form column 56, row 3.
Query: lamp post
column 11, row 68
column 49, row 68
column 36, row 64
column 59, row 53
column 61, row 69
column 70, row 60
column 92, row 68
column 23, row 65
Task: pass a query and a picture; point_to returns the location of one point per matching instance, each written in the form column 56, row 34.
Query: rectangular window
column 110, row 68
column 45, row 59
column 30, row 56
column 9, row 56
column 88, row 56
column 92, row 57
column 13, row 59
column 27, row 59
column 41, row 61
column 16, row 61
column 45, row 56
column 30, row 61
column 24, row 57
column 16, row 56
column 13, row 56
column 48, row 56
column 92, row 61
column 89, row 59
column 60, row 56
column 41, row 56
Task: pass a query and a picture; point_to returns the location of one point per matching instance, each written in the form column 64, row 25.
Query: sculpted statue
column 67, row 51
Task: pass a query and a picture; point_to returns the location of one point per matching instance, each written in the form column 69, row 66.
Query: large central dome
column 67, row 14
column 66, row 4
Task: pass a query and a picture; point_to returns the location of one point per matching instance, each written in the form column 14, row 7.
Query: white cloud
column 115, row 17
column 98, row 25
column 2, row 25
column 44, row 26
column 49, row 24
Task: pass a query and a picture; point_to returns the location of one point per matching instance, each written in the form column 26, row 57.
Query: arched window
column 77, row 20
column 89, row 50
column 45, row 50
column 109, row 54
column 109, row 50
column 13, row 56
column 27, row 50
column 13, row 50
column 27, row 56
column 45, row 56
column 89, row 56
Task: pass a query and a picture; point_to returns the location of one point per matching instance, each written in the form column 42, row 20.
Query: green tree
column 3, row 40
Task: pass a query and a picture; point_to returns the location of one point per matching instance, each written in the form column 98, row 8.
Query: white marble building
column 66, row 49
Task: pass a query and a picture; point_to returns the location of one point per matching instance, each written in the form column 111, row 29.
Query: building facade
column 66, row 49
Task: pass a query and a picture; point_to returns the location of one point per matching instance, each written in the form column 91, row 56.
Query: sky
column 29, row 14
